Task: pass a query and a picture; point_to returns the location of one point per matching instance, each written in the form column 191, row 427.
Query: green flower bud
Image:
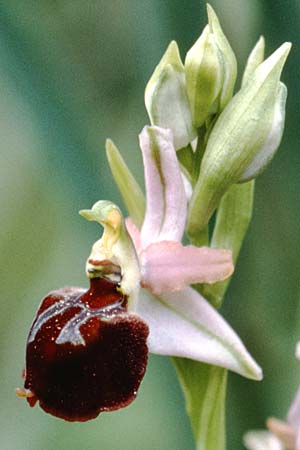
column 244, row 138
column 211, row 70
column 255, row 58
column 166, row 98
column 228, row 57
column 204, row 77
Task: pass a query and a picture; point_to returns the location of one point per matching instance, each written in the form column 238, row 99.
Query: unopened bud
column 228, row 57
column 166, row 98
column 244, row 138
column 204, row 77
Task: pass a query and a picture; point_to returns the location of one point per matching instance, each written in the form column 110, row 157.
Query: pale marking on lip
column 71, row 330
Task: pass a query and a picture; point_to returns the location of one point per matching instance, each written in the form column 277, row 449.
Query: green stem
column 204, row 388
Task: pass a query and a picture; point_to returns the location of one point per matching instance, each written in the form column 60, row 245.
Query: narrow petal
column 261, row 440
column 166, row 200
column 134, row 233
column 185, row 324
column 169, row 266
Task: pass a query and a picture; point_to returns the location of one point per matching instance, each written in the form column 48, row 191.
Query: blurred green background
column 71, row 74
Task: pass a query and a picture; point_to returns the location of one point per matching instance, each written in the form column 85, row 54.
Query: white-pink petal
column 184, row 324
column 169, row 266
column 166, row 199
column 134, row 233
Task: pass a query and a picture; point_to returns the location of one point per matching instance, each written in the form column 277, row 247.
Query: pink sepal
column 184, row 324
column 166, row 199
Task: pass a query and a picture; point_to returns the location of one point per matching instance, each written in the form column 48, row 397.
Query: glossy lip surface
column 85, row 353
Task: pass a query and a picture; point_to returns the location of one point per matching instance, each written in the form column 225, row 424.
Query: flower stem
column 204, row 388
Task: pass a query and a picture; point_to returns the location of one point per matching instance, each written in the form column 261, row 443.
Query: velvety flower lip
column 181, row 321
column 85, row 353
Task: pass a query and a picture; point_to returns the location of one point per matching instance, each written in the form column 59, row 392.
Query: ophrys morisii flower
column 87, row 350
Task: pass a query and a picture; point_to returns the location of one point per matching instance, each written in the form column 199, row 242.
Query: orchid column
column 222, row 142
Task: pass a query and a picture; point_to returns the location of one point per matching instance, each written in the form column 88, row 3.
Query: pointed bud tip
column 213, row 19
column 172, row 54
column 287, row 46
column 280, row 54
column 259, row 48
column 210, row 12
column 173, row 46
column 283, row 50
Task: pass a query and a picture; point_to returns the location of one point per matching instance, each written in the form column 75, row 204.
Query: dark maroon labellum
column 85, row 353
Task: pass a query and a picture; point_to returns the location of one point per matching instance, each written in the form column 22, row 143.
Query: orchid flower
column 139, row 299
column 281, row 435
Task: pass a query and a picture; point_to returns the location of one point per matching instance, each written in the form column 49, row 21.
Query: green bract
column 244, row 138
column 130, row 190
column 166, row 98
